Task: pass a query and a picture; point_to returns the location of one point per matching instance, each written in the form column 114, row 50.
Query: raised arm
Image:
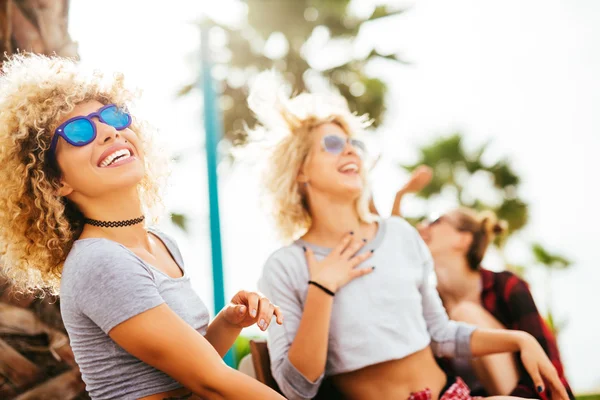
column 395, row 208
column 420, row 178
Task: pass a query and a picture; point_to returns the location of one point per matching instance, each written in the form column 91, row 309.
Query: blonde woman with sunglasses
column 356, row 291
column 78, row 176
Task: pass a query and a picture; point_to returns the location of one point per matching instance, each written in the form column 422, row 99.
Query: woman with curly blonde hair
column 374, row 332
column 79, row 175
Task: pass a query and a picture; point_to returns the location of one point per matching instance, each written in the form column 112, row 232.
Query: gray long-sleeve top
column 386, row 315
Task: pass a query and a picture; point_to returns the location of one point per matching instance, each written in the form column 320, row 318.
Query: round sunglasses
column 335, row 144
column 81, row 130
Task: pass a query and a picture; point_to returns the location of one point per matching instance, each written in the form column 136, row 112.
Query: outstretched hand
column 540, row 369
column 248, row 308
column 420, row 178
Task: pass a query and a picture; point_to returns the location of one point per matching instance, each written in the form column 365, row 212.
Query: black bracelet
column 323, row 288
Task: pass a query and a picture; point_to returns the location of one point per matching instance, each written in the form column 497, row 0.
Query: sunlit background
column 523, row 76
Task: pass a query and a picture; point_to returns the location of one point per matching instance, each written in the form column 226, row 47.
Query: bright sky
column 523, row 74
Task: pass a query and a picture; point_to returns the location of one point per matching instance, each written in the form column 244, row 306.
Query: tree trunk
column 66, row 386
column 36, row 360
column 35, row 355
column 37, row 26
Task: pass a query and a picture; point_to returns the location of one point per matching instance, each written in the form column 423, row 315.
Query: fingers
column 236, row 312
column 311, row 261
column 240, row 310
column 536, row 377
column 556, row 386
column 253, row 303
column 339, row 249
column 352, row 249
column 279, row 315
column 310, row 257
column 265, row 313
column 355, row 261
column 559, row 391
column 358, row 272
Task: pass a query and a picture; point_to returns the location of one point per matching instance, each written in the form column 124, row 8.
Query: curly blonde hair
column 285, row 125
column 37, row 226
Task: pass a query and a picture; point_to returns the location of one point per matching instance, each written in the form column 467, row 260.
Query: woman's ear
column 466, row 238
column 65, row 189
column 301, row 178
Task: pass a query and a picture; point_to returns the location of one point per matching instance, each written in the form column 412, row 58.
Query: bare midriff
column 177, row 394
column 395, row 379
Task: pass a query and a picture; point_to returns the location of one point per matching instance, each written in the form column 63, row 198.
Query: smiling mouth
column 112, row 158
column 350, row 169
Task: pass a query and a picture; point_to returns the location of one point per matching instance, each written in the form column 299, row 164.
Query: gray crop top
column 386, row 315
column 103, row 284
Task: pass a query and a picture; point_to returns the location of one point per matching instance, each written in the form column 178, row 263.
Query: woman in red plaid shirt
column 458, row 241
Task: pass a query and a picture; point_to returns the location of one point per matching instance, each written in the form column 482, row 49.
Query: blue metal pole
column 212, row 125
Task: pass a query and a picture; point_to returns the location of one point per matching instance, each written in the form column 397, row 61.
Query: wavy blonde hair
column 285, row 125
column 37, row 226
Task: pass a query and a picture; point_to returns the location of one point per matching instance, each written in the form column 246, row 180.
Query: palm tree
column 292, row 36
column 36, row 360
column 247, row 48
column 550, row 262
column 36, row 26
column 454, row 167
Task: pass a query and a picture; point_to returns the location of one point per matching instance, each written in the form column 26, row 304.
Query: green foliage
column 243, row 55
column 549, row 260
column 454, row 166
column 241, row 348
column 450, row 162
column 180, row 220
column 591, row 396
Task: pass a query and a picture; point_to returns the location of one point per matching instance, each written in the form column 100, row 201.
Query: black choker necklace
column 113, row 224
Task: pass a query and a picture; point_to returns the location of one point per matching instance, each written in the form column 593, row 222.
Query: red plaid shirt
column 508, row 299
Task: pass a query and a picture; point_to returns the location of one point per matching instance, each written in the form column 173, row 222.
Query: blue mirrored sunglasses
column 335, row 144
column 81, row 130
